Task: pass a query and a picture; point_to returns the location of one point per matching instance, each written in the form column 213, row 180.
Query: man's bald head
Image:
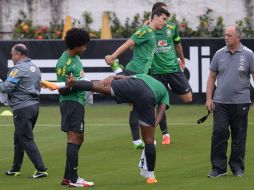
column 18, row 53
column 235, row 29
column 21, row 48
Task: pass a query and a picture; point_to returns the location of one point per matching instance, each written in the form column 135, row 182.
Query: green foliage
column 245, row 25
column 218, row 30
column 184, row 29
column 24, row 28
column 87, row 20
column 205, row 24
column 116, row 27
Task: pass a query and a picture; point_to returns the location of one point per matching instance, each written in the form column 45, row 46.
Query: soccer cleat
column 65, row 181
column 39, row 174
column 238, row 173
column 166, row 139
column 12, row 173
column 116, row 66
column 49, row 85
column 138, row 146
column 215, row 173
column 150, row 180
column 81, row 183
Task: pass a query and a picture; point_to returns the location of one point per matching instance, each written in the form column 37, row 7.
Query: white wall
column 43, row 11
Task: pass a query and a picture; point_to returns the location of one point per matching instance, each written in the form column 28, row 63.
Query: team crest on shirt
column 32, row 69
column 162, row 43
column 13, row 73
column 68, row 61
column 168, row 33
column 242, row 59
column 242, row 63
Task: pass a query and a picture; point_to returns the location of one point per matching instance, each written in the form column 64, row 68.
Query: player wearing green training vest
column 72, row 104
column 64, row 67
column 166, row 67
column 165, row 58
column 143, row 42
column 143, row 52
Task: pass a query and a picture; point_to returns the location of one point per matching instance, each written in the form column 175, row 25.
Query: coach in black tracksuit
column 23, row 88
column 231, row 66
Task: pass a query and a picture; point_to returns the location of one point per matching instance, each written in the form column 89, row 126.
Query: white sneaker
column 81, row 183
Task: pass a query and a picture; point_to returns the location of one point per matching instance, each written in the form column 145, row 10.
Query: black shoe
column 12, row 173
column 39, row 174
column 238, row 173
column 215, row 173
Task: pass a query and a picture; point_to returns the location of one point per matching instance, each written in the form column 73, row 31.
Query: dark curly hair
column 76, row 37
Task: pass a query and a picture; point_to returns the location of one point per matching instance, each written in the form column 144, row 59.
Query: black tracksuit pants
column 24, row 121
column 229, row 118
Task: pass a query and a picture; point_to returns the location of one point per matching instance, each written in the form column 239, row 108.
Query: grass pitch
column 107, row 159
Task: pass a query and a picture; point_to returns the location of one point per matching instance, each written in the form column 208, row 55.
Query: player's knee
column 75, row 138
column 81, row 139
column 187, row 98
column 148, row 140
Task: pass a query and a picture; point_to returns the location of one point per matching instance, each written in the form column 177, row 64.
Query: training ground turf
column 107, row 159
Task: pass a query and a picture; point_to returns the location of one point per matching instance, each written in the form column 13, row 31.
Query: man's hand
column 70, row 81
column 109, row 59
column 107, row 81
column 181, row 64
column 209, row 105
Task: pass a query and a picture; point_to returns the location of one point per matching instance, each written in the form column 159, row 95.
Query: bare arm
column 179, row 51
column 110, row 58
column 107, row 81
column 209, row 90
column 160, row 112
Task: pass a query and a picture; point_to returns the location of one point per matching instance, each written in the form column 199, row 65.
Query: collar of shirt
column 23, row 60
column 238, row 50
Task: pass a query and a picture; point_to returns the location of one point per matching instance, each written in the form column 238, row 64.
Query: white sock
column 166, row 135
column 150, row 174
column 60, row 84
column 137, row 142
column 119, row 70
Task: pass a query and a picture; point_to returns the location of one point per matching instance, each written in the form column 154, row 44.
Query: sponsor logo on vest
column 162, row 43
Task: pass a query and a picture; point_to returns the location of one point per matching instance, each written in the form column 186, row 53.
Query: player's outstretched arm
column 110, row 58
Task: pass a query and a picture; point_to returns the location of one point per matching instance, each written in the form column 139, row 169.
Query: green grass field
column 107, row 159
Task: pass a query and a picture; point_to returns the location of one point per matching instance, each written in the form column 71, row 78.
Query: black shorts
column 176, row 82
column 135, row 91
column 73, row 114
